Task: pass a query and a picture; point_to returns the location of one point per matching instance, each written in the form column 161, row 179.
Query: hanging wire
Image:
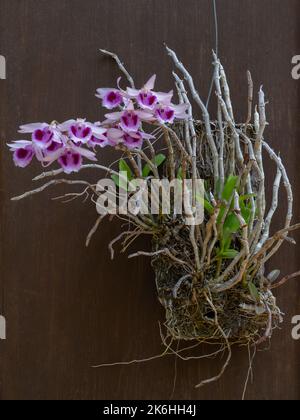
column 216, row 47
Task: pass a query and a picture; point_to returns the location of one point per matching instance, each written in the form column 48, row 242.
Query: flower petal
column 19, row 144
column 30, row 128
column 132, row 92
column 180, row 110
column 65, row 126
column 98, row 130
column 113, row 116
column 115, row 133
column 101, row 92
column 84, row 152
column 164, row 98
column 145, row 115
column 147, row 136
column 149, row 85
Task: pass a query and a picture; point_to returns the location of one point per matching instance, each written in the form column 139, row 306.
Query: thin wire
column 217, row 48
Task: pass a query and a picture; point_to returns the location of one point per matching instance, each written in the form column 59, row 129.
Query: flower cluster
column 68, row 143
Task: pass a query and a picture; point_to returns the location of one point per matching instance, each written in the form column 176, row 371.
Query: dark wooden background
column 68, row 307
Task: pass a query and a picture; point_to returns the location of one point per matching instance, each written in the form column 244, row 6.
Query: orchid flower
column 111, row 98
column 132, row 139
column 168, row 113
column 69, row 157
column 130, row 119
column 71, row 141
column 99, row 136
column 80, row 131
column 146, row 98
column 23, row 152
column 53, row 142
column 101, row 140
column 42, row 133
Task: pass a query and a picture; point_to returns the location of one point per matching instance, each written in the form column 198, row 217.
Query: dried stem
column 121, row 66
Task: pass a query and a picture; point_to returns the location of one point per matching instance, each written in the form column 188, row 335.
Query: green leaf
column 226, row 242
column 245, row 197
column 206, row 204
column 158, row 160
column 124, row 167
column 180, row 173
column 208, row 207
column 246, row 213
column 121, row 183
column 254, row 292
column 115, row 178
column 231, row 224
column 229, row 187
column 228, row 254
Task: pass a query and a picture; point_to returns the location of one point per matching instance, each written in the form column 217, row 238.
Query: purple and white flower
column 111, row 98
column 80, row 131
column 131, row 139
column 168, row 113
column 70, row 161
column 130, row 119
column 23, row 152
column 42, row 133
column 135, row 140
column 146, row 97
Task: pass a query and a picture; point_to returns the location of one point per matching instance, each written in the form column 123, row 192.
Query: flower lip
column 165, row 115
column 23, row 156
column 130, row 121
column 43, row 137
column 147, row 100
column 53, row 147
column 133, row 140
column 80, row 132
column 70, row 161
column 30, row 128
column 101, row 141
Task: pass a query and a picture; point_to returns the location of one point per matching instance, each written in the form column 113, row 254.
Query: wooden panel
column 68, row 307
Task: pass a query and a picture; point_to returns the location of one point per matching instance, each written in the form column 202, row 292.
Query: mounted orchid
column 210, row 277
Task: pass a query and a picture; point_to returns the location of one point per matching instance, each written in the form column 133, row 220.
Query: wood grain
column 68, row 307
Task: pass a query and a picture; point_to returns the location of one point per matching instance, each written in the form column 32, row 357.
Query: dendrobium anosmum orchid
column 70, row 142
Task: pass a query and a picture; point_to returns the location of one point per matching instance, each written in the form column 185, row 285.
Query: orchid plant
column 211, row 278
